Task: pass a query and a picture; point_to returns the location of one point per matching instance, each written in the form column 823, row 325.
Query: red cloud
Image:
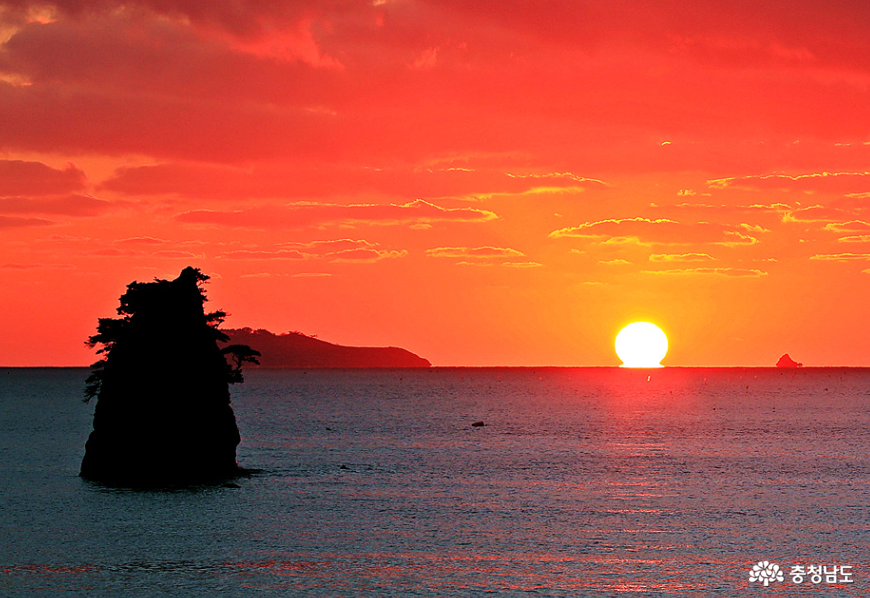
column 17, row 222
column 72, row 205
column 319, row 179
column 187, row 80
column 33, row 266
column 302, row 215
column 18, row 177
column 245, row 19
column 38, row 118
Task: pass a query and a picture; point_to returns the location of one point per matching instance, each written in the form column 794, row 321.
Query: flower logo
column 765, row 572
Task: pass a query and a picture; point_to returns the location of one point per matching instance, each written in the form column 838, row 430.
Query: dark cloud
column 194, row 80
column 245, row 18
column 18, row 177
column 18, row 222
column 70, row 205
column 47, row 118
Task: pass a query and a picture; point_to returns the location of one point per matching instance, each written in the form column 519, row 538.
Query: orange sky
column 481, row 183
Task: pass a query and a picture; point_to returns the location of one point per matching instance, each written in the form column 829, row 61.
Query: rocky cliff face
column 163, row 413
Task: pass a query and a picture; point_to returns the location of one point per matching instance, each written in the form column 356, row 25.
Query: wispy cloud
column 142, row 241
column 129, row 252
column 816, row 214
column 332, row 245
column 852, row 226
column 474, row 252
column 483, row 256
column 301, row 215
column 836, row 182
column 681, row 257
column 661, row 231
column 730, row 272
column 366, row 256
column 319, row 179
column 358, row 251
column 251, row 254
column 841, row 257
column 500, row 264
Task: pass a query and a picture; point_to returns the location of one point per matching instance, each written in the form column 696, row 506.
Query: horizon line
column 454, row 366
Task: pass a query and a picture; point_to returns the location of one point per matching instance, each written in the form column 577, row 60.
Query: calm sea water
column 587, row 481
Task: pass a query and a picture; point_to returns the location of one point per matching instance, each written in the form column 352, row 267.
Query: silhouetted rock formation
column 296, row 350
column 787, row 362
column 163, row 413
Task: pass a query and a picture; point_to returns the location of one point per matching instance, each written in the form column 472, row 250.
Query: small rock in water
column 787, row 362
column 477, row 424
column 344, row 467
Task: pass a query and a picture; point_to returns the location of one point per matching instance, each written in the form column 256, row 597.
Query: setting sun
column 641, row 345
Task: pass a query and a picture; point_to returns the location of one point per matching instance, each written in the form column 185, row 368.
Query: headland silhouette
column 297, row 350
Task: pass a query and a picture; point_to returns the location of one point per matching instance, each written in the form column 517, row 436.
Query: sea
column 581, row 482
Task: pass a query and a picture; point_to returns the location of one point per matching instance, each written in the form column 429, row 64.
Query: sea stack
column 787, row 362
column 163, row 414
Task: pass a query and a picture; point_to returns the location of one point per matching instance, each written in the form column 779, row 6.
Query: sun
column 641, row 345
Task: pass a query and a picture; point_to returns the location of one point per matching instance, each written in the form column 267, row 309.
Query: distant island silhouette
column 163, row 414
column 297, row 350
column 787, row 362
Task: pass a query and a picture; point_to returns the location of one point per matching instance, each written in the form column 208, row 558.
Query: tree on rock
column 163, row 413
